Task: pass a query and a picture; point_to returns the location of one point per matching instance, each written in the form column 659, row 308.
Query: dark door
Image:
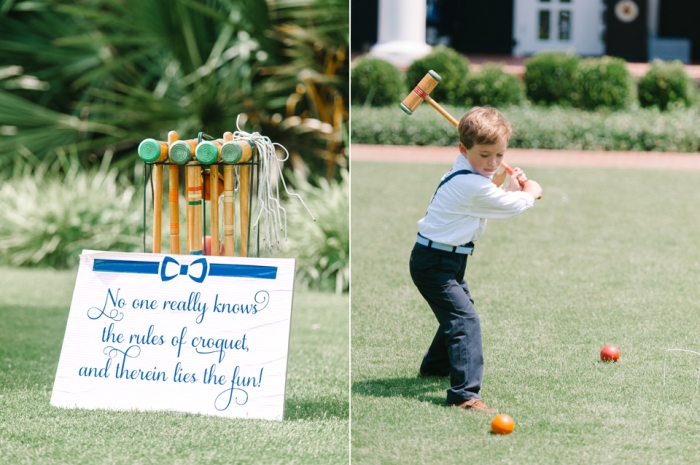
column 479, row 26
column 681, row 19
column 626, row 29
column 363, row 24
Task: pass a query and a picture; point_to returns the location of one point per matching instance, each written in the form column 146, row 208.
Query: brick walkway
column 528, row 157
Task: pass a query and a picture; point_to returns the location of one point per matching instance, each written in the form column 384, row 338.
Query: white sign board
column 181, row 333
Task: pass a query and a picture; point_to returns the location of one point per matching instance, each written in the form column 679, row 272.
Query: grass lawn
column 608, row 256
column 34, row 308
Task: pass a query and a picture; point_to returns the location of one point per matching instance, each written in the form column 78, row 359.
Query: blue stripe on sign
column 125, row 266
column 243, row 271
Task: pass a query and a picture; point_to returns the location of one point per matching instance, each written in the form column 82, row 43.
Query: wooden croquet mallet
column 156, row 152
column 209, row 153
column 237, row 152
column 422, row 92
column 229, row 211
column 174, row 199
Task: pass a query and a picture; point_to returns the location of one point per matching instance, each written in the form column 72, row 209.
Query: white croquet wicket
column 697, row 383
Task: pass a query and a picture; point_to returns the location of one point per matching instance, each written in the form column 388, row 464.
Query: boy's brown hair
column 483, row 126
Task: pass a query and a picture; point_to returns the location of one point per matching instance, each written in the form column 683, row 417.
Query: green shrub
column 376, row 83
column 321, row 247
column 452, row 68
column 47, row 220
column 646, row 129
column 666, row 83
column 604, row 82
column 493, row 87
column 550, row 78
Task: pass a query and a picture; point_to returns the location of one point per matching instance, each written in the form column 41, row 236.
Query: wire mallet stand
column 202, row 160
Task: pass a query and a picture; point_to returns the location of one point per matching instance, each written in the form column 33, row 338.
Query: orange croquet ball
column 609, row 353
column 502, row 424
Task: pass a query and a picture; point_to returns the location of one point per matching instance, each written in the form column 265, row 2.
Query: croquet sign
column 184, row 333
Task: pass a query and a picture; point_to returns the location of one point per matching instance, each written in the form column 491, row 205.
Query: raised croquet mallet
column 422, row 92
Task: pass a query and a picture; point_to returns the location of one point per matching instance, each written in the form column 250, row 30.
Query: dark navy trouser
column 456, row 348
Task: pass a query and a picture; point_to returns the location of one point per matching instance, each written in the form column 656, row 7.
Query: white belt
column 465, row 249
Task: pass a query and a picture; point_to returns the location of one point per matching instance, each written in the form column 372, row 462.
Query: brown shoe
column 474, row 404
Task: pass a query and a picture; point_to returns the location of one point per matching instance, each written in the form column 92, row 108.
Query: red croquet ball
column 609, row 353
column 207, row 246
column 502, row 424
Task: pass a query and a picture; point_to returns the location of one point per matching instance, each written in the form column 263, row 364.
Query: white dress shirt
column 458, row 211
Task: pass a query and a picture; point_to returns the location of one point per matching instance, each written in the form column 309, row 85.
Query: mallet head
column 418, row 94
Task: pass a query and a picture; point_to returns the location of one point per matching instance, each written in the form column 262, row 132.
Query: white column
column 653, row 18
column 401, row 35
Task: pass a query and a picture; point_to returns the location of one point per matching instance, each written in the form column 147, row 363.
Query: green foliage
column 321, row 247
column 491, row 86
column 376, row 82
column 46, row 220
column 543, row 128
column 305, row 95
column 550, row 78
column 108, row 74
column 452, row 68
column 604, row 82
column 666, row 83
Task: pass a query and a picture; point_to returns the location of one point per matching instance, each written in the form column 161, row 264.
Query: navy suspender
column 452, row 175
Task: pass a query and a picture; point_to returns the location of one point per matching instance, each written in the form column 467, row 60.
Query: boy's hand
column 517, row 180
column 533, row 188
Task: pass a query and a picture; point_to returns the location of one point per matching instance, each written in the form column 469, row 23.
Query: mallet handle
column 451, row 119
column 214, row 208
column 173, row 198
column 157, row 206
column 441, row 110
column 244, row 197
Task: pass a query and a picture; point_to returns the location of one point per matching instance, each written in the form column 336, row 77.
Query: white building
column 637, row 30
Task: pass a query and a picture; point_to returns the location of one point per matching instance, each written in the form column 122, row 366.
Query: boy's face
column 485, row 159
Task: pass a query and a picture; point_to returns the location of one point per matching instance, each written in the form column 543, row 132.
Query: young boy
column 456, row 218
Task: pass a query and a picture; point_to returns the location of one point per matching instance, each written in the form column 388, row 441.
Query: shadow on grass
column 421, row 388
column 324, row 408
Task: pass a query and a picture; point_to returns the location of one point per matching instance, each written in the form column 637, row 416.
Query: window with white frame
column 554, row 18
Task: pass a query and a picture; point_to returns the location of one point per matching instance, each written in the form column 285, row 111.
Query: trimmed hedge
column 604, row 82
column 491, row 86
column 666, row 83
column 452, row 68
column 376, row 82
column 537, row 127
column 550, row 78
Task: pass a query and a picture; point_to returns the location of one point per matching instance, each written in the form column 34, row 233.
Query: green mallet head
column 207, row 152
column 238, row 151
column 180, row 152
column 151, row 151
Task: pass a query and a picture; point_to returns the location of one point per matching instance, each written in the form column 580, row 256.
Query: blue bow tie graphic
column 227, row 270
column 184, row 269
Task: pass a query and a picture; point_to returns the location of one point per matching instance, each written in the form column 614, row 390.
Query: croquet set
column 206, row 162
column 203, row 330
